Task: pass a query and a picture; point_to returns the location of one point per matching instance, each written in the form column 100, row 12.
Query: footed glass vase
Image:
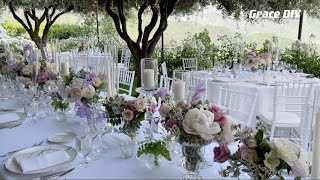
column 61, row 116
column 193, row 160
column 130, row 131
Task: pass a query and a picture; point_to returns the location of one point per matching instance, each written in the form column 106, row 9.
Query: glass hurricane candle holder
column 181, row 80
column 149, row 74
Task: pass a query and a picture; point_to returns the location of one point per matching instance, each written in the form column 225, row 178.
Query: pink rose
column 131, row 104
column 127, row 115
column 219, row 115
column 164, row 109
column 88, row 91
column 75, row 93
column 96, row 81
column 249, row 155
column 221, row 153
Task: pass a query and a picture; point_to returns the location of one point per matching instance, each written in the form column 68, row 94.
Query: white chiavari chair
column 289, row 109
column 196, row 79
column 190, row 64
column 125, row 58
column 239, row 105
column 164, row 69
column 167, row 83
column 125, row 79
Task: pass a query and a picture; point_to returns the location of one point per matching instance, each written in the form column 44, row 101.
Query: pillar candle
column 179, row 90
column 148, row 78
column 315, row 172
column 64, row 68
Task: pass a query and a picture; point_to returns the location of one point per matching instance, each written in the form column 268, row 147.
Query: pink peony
column 75, row 93
column 131, row 104
column 88, row 91
column 221, row 153
column 42, row 77
column 219, row 115
column 164, row 109
column 127, row 115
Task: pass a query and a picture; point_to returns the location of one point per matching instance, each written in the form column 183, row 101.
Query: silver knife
column 57, row 174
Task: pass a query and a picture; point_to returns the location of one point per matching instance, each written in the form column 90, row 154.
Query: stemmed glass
column 293, row 68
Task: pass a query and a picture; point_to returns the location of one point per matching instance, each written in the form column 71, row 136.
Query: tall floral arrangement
column 261, row 158
column 196, row 122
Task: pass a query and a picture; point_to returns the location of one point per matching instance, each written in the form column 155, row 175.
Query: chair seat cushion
column 284, row 119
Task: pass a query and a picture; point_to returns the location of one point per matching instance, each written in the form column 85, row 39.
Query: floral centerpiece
column 196, row 124
column 45, row 74
column 255, row 60
column 4, row 67
column 27, row 50
column 83, row 88
column 261, row 158
column 130, row 113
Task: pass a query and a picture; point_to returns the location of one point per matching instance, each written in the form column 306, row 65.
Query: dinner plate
column 11, row 107
column 64, row 137
column 12, row 166
column 22, row 117
column 223, row 80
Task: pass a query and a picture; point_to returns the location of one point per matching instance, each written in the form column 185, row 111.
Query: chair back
column 164, row 69
column 125, row 57
column 196, row 79
column 126, row 79
column 167, row 83
column 190, row 64
column 238, row 104
column 291, row 97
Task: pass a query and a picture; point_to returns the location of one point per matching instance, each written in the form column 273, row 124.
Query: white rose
column 286, row 150
column 77, row 83
column 88, row 91
column 27, row 70
column 141, row 104
column 201, row 123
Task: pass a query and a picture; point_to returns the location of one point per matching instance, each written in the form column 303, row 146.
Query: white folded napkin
column 9, row 117
column 50, row 159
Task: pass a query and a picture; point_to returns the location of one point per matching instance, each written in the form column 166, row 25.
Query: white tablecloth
column 109, row 166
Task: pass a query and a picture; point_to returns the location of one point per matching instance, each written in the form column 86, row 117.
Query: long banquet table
column 110, row 166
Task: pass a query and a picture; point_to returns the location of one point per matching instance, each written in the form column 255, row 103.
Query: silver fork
column 11, row 152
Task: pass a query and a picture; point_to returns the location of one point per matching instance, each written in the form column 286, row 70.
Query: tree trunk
column 300, row 25
column 41, row 44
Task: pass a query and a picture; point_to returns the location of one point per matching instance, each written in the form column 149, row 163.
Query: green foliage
column 305, row 56
column 59, row 105
column 13, row 28
column 155, row 148
column 65, row 31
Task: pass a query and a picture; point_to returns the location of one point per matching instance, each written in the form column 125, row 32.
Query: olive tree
column 38, row 12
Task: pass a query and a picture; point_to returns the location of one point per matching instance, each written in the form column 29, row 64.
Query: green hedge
column 65, row 31
column 57, row 31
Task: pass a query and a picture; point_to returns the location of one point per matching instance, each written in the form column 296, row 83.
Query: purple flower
column 27, row 47
column 221, row 153
column 199, row 89
column 88, row 79
column 162, row 93
column 84, row 112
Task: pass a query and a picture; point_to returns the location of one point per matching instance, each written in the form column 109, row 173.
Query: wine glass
column 293, row 68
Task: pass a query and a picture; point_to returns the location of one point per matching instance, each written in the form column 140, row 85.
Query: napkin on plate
column 50, row 159
column 9, row 117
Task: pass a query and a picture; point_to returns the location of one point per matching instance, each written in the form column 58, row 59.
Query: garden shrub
column 66, row 31
column 13, row 28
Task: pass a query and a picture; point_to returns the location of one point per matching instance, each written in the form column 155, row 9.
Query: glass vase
column 193, row 160
column 130, row 131
column 61, row 116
